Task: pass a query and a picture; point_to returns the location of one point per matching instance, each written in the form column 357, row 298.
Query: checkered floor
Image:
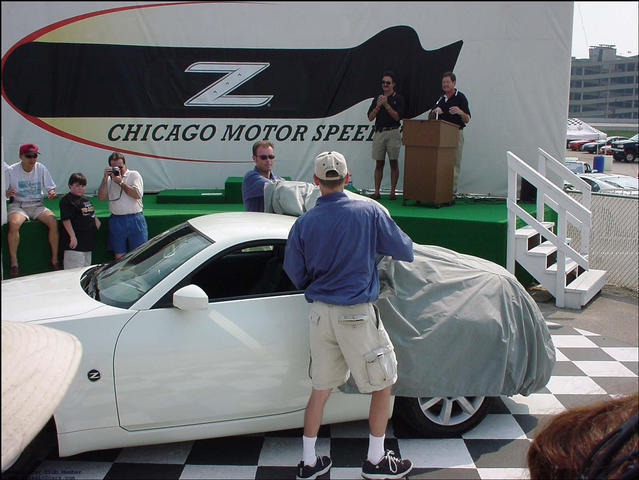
column 589, row 368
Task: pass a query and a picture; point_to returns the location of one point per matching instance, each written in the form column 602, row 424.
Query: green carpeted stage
column 476, row 226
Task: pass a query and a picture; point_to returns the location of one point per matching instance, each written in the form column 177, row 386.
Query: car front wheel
column 630, row 157
column 443, row 416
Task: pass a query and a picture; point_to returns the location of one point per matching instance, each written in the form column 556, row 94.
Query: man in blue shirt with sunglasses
column 254, row 180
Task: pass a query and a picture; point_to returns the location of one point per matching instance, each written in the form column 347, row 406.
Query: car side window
column 593, row 186
column 252, row 270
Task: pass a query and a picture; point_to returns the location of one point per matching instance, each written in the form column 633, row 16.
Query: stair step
column 585, row 281
column 543, row 250
column 580, row 291
column 528, row 231
column 570, row 266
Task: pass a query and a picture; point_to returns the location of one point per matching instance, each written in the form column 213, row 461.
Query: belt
column 383, row 129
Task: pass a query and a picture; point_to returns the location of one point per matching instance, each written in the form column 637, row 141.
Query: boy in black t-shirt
column 79, row 222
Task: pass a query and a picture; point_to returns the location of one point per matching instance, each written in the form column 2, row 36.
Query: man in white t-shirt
column 27, row 180
column 124, row 189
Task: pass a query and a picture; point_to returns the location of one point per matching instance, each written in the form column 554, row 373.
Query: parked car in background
column 575, row 144
column 622, row 181
column 592, row 146
column 625, row 150
column 596, row 146
column 578, row 166
column 606, row 150
column 612, row 184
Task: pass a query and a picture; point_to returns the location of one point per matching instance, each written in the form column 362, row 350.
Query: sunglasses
column 31, row 155
column 264, row 157
column 384, row 82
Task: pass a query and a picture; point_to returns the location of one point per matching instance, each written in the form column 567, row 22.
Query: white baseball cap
column 38, row 365
column 330, row 162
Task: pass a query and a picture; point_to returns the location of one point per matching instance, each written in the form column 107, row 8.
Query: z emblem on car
column 93, row 375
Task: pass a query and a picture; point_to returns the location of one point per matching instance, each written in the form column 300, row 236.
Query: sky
column 609, row 23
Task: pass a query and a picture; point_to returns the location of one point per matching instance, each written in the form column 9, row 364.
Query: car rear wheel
column 443, row 416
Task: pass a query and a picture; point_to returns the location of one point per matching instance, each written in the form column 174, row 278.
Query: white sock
column 375, row 448
column 308, row 456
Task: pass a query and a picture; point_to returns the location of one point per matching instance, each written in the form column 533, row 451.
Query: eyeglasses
column 31, row 155
column 384, row 82
column 264, row 157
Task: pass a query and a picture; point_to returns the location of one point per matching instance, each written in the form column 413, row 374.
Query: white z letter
column 215, row 95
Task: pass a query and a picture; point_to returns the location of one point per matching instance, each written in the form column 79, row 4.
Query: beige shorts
column 386, row 141
column 29, row 210
column 350, row 339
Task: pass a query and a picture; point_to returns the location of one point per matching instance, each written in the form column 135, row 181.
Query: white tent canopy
column 579, row 130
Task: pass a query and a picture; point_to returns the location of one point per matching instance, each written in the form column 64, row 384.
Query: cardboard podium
column 429, row 160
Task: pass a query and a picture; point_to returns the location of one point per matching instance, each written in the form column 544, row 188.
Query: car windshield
column 623, row 182
column 125, row 281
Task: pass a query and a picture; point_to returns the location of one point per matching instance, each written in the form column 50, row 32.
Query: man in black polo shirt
column 387, row 110
column 452, row 107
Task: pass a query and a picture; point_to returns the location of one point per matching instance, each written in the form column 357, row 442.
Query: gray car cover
column 460, row 325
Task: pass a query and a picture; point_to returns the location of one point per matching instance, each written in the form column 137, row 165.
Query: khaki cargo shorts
column 31, row 210
column 350, row 339
column 387, row 141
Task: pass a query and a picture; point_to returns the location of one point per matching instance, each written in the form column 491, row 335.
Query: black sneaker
column 389, row 467
column 322, row 465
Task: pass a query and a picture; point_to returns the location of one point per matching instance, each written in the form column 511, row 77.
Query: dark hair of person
column 77, row 178
column 391, row 74
column 332, row 183
column 449, row 74
column 116, row 156
column 262, row 143
column 590, row 442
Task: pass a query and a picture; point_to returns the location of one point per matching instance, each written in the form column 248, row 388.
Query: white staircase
column 544, row 253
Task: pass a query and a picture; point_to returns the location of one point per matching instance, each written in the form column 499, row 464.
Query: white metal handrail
column 568, row 211
column 545, row 160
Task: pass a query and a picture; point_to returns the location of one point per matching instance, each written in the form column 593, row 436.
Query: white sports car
column 199, row 333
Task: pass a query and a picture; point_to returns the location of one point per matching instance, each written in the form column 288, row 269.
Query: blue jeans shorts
column 126, row 232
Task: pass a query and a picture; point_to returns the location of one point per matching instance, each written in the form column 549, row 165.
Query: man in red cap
column 26, row 182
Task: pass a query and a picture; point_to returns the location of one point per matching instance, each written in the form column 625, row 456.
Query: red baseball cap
column 28, row 148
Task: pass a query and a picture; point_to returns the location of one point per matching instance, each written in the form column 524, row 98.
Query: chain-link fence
column 614, row 238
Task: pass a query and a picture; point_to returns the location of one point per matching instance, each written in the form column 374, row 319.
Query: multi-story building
column 604, row 86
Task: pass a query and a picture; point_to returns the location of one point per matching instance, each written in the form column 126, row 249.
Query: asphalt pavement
column 622, row 168
column 613, row 313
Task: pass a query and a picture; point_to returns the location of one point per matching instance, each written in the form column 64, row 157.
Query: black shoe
column 322, row 465
column 389, row 467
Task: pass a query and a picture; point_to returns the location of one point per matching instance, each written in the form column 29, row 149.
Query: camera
column 115, row 171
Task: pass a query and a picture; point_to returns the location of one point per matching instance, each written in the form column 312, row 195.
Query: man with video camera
column 124, row 189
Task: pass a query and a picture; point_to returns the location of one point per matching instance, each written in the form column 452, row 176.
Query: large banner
column 185, row 89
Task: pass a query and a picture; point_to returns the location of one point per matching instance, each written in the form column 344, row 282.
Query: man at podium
column 387, row 110
column 452, row 107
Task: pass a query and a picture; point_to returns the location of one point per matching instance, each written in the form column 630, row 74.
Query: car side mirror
column 191, row 297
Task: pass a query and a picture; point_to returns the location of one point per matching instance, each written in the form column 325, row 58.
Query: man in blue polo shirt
column 262, row 173
column 331, row 252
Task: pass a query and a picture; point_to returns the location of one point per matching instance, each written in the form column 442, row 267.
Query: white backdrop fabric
column 514, row 67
